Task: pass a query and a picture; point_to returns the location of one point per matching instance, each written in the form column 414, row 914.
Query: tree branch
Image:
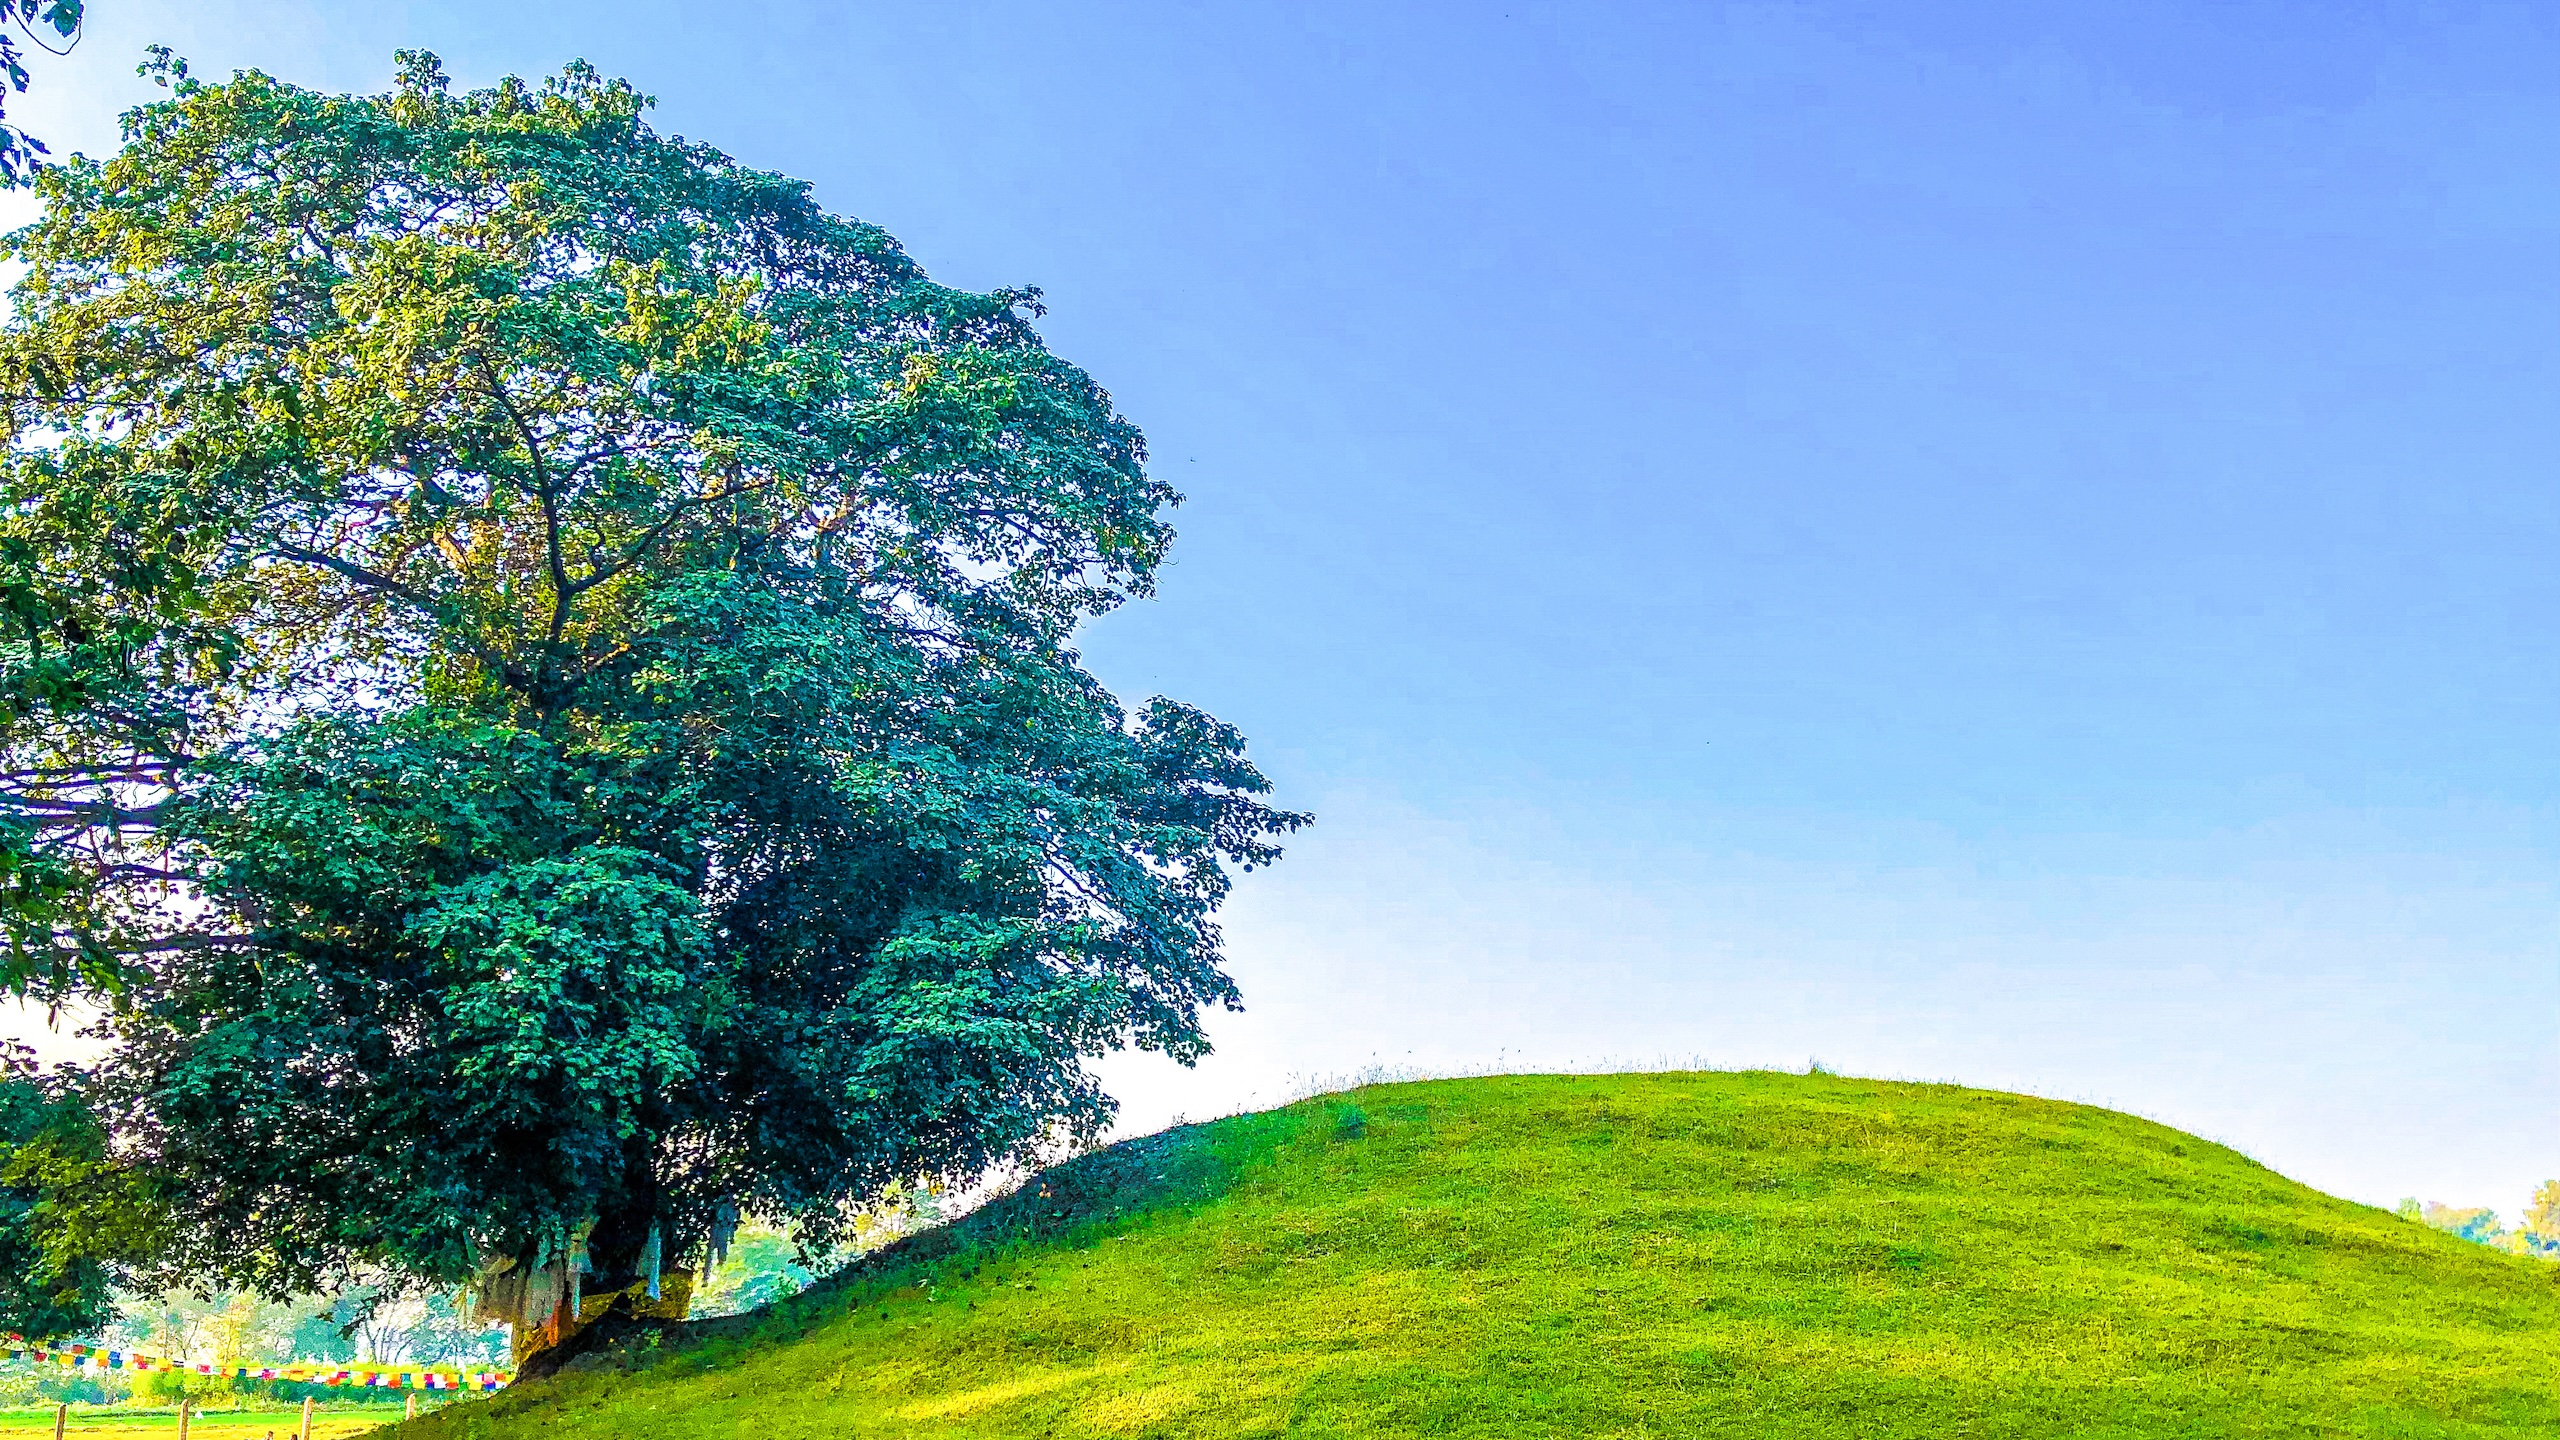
column 357, row 573
column 561, row 595
column 637, row 549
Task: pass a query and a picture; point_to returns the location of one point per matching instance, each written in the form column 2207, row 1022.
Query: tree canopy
column 53, row 1210
column 20, row 152
column 538, row 680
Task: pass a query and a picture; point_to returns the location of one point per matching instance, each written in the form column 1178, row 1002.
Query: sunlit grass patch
column 1705, row 1254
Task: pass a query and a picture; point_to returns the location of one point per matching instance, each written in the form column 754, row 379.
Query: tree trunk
column 629, row 1284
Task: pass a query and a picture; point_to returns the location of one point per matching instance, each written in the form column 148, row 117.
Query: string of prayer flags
column 382, row 1377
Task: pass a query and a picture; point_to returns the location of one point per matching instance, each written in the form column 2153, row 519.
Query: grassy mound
column 1631, row 1255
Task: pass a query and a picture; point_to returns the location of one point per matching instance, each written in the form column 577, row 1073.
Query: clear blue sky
column 2012, row 543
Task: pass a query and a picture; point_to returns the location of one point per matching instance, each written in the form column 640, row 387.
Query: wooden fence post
column 306, row 1417
column 186, row 1412
column 61, row 1414
column 410, row 1413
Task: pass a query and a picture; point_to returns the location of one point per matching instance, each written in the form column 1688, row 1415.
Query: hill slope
column 1632, row 1255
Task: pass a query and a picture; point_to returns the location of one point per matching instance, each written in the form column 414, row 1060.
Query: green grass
column 1633, row 1255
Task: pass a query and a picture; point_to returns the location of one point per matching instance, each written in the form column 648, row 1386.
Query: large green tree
column 538, row 679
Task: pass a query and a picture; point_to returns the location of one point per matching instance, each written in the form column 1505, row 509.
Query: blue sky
column 1968, row 541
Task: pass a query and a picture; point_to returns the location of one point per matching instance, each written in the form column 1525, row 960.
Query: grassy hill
column 1628, row 1255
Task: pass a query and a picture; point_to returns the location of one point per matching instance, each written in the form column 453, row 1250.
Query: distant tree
column 2479, row 1225
column 538, row 679
column 226, row 1328
column 324, row 1331
column 433, row 1331
column 2539, row 1232
column 762, row 1266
